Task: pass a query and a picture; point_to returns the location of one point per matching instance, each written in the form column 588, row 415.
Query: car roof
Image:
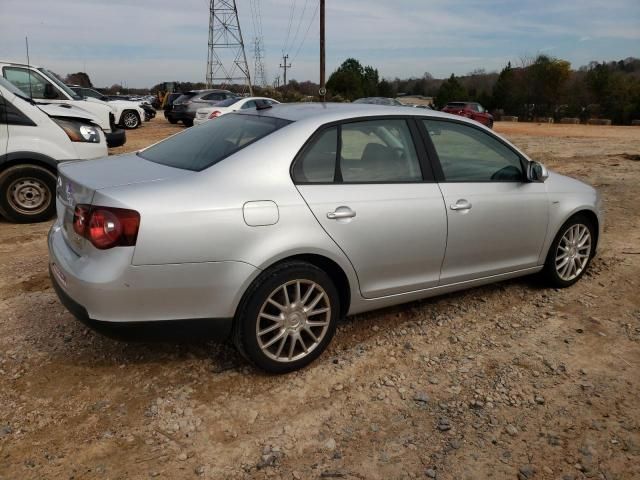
column 330, row 112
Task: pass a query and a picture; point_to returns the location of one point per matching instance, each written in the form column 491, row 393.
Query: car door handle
column 461, row 205
column 341, row 212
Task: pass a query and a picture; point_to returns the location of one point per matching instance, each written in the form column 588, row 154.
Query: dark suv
column 184, row 107
column 472, row 110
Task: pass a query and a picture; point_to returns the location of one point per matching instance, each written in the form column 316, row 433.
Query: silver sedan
column 272, row 224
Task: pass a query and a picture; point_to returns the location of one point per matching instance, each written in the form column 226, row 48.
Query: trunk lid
column 78, row 182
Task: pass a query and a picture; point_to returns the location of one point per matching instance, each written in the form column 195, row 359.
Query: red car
column 471, row 110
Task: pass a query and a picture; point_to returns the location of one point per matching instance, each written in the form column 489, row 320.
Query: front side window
column 40, row 88
column 372, row 151
column 468, row 154
column 214, row 96
column 201, row 147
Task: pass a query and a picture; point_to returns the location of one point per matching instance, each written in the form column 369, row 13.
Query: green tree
column 351, row 80
column 450, row 90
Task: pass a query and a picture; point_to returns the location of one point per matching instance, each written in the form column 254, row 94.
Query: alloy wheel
column 293, row 320
column 573, row 252
column 130, row 120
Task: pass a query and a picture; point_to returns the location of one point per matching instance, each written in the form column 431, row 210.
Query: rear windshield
column 456, row 104
column 228, row 102
column 203, row 146
column 185, row 96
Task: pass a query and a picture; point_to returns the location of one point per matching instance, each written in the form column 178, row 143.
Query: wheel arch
column 329, row 266
column 587, row 212
column 28, row 158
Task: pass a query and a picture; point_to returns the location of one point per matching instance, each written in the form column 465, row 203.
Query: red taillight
column 106, row 227
column 214, row 114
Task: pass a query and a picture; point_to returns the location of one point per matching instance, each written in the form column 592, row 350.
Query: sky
column 144, row 42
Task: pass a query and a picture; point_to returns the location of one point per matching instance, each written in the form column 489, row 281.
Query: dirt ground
column 506, row 381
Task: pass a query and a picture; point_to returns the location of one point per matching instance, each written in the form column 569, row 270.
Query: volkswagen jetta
column 271, row 224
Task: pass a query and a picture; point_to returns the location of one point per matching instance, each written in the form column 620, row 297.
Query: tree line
column 543, row 86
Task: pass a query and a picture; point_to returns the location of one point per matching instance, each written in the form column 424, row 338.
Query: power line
column 295, row 37
column 286, row 40
column 315, row 14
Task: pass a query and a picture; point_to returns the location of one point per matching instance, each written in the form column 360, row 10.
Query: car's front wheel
column 130, row 119
column 570, row 252
column 287, row 318
column 27, row 194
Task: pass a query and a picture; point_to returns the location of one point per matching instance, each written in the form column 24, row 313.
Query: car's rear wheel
column 287, row 318
column 570, row 252
column 188, row 122
column 130, row 119
column 172, row 120
column 27, row 194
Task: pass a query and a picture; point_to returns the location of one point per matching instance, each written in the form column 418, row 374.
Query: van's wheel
column 130, row 119
column 27, row 194
column 570, row 252
column 287, row 317
column 172, row 120
column 188, row 122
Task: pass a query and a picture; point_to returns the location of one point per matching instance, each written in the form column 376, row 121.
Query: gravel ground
column 509, row 381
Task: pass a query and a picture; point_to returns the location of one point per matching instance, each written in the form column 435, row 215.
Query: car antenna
column 26, row 41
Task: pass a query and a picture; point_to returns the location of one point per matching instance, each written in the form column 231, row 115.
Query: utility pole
column 323, row 89
column 226, row 46
column 285, row 66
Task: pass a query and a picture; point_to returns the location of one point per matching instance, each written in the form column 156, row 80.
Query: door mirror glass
column 536, row 172
column 50, row 92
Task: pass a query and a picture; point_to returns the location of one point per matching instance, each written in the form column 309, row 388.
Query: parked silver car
column 272, row 224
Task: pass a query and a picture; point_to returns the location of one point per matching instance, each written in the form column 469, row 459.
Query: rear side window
column 371, row 151
column 318, row 161
column 201, row 147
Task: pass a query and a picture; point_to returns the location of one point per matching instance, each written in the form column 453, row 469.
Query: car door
column 370, row 187
column 497, row 220
column 4, row 127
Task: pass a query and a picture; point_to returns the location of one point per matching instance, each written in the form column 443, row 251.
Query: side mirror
column 49, row 92
column 536, row 172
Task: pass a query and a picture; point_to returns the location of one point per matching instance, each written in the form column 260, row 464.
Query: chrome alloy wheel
column 130, row 120
column 28, row 195
column 293, row 320
column 573, row 252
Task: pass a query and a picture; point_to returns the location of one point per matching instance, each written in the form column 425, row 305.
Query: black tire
column 550, row 272
column 21, row 188
column 490, row 124
column 188, row 123
column 172, row 120
column 130, row 120
column 245, row 334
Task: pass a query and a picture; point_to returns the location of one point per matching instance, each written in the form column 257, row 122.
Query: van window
column 41, row 88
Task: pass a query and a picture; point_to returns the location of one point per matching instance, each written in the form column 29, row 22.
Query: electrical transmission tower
column 259, row 75
column 227, row 60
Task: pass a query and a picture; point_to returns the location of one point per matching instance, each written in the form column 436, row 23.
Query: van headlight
column 79, row 132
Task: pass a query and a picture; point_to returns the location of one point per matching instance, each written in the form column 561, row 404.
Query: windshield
column 52, row 76
column 201, row 147
column 12, row 88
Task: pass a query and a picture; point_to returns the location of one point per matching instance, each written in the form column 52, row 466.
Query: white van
column 45, row 87
column 34, row 138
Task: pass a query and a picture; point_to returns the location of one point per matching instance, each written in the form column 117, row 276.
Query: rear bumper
column 180, row 116
column 201, row 328
column 104, row 286
column 116, row 138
